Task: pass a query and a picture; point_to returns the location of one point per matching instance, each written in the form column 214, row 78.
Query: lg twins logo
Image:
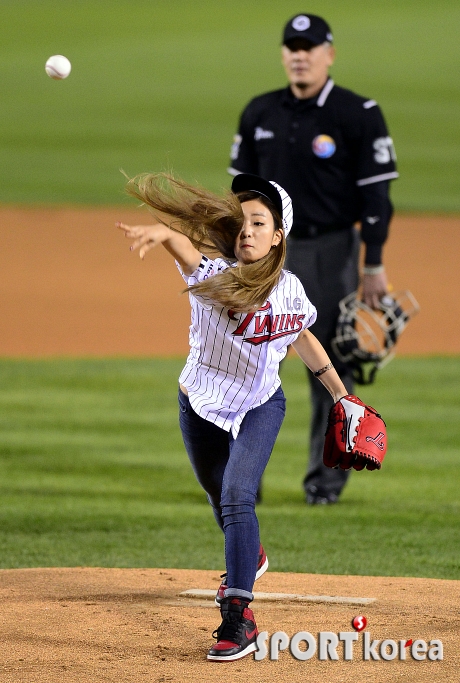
column 378, row 440
column 268, row 327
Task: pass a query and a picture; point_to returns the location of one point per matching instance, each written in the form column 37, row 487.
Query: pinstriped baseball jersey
column 234, row 357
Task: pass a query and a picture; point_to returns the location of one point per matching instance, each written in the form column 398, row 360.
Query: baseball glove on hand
column 355, row 437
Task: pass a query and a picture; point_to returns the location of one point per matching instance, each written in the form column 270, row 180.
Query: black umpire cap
column 308, row 27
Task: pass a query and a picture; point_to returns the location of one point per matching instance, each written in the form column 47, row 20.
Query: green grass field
column 160, row 85
column 94, row 473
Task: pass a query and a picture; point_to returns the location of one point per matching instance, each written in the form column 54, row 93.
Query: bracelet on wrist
column 374, row 270
column 322, row 370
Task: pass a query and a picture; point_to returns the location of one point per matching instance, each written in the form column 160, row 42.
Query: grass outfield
column 94, row 473
column 161, row 85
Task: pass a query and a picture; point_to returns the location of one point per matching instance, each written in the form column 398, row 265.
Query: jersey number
column 384, row 150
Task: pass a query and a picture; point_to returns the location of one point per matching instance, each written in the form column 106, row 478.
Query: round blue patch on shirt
column 323, row 146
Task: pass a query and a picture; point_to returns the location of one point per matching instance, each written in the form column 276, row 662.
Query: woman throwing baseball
column 246, row 311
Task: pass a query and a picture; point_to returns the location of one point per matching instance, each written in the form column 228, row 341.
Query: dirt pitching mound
column 91, row 625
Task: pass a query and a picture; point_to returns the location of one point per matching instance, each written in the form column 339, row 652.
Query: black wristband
column 325, row 369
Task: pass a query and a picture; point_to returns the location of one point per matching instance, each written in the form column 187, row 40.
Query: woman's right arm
column 145, row 237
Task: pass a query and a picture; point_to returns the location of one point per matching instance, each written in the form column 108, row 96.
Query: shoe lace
column 228, row 630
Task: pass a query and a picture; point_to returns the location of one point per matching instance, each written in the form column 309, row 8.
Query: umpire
column 330, row 149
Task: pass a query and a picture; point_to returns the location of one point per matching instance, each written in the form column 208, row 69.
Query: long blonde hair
column 212, row 223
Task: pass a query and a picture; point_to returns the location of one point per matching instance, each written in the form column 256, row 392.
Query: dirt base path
column 96, row 625
column 70, row 286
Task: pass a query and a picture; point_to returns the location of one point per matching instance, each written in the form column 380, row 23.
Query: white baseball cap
column 247, row 182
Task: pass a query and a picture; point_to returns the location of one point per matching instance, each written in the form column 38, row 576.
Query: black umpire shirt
column 332, row 153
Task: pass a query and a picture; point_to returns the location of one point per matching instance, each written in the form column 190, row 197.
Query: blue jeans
column 229, row 470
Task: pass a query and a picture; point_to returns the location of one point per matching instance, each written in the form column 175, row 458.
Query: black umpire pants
column 327, row 267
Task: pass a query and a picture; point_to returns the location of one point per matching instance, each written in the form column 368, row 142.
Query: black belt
column 310, row 231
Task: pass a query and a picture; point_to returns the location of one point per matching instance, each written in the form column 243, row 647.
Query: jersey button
column 295, row 124
column 292, row 139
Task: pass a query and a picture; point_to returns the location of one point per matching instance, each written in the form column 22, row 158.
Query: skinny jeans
column 229, row 470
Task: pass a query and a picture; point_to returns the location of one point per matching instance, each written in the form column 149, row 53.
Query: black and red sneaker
column 237, row 634
column 262, row 567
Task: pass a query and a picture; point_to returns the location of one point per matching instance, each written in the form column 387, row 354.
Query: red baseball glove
column 356, row 436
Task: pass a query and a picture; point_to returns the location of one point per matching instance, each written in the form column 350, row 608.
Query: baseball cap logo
column 301, row 23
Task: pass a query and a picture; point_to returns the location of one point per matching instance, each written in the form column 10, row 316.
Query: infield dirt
column 70, row 285
column 89, row 625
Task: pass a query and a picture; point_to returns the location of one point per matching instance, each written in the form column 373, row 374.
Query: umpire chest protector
column 321, row 150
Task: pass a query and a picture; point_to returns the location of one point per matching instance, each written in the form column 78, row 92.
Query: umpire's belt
column 311, row 230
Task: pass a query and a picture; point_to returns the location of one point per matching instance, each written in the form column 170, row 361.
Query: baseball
column 58, row 67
